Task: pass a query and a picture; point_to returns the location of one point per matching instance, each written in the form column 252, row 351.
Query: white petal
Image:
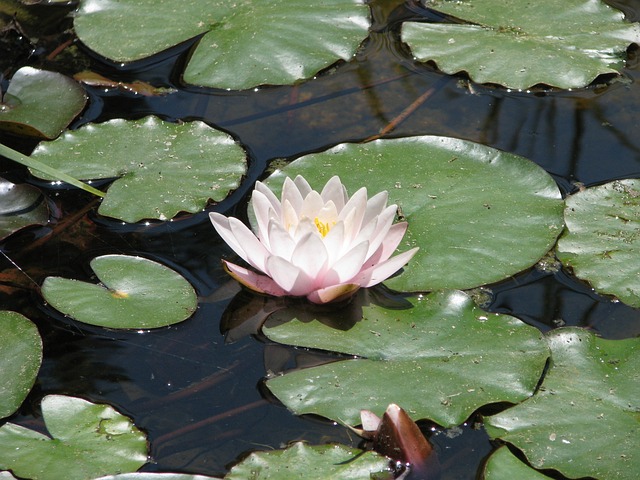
column 291, row 193
column 254, row 281
column 310, row 255
column 311, row 205
column 389, row 244
column 353, row 213
column 290, row 217
column 384, row 223
column 334, row 192
column 255, row 252
column 334, row 243
column 305, row 227
column 375, row 206
column 347, row 266
column 264, row 211
column 303, row 186
column 221, row 224
column 282, row 245
column 289, row 277
column 266, row 191
column 381, row 271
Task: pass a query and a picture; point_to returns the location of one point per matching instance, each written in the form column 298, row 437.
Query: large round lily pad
column 443, row 358
column 20, row 206
column 479, row 215
column 602, row 239
column 39, row 103
column 135, row 293
column 519, row 44
column 87, row 440
column 244, row 44
column 20, row 359
column 163, row 168
column 583, row 421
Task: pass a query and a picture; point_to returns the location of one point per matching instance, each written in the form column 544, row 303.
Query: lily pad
column 87, row 440
column 40, row 104
column 163, row 168
column 584, row 419
column 20, row 359
column 20, row 206
column 479, row 215
column 444, row 358
column 244, row 44
column 503, row 465
column 135, row 293
column 519, row 44
column 156, row 476
column 602, row 240
column 322, row 462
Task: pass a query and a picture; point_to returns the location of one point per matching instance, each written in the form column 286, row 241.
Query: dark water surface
column 200, row 399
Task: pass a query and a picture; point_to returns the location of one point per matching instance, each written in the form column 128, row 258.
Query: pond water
column 199, row 395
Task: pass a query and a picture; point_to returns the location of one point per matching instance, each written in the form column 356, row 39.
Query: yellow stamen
column 323, row 227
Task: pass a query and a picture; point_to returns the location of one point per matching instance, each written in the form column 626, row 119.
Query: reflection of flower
column 320, row 245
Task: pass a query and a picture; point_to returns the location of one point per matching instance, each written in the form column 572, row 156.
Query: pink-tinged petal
column 335, row 192
column 282, row 245
column 290, row 217
column 311, row 205
column 264, row 211
column 383, row 224
column 302, row 185
column 333, row 293
column 273, row 200
column 254, row 281
column 347, row 267
column 310, row 255
column 305, row 227
column 292, row 194
column 289, row 277
column 370, row 421
column 353, row 213
column 255, row 252
column 375, row 206
column 389, row 244
column 334, row 243
column 222, row 226
column 380, row 272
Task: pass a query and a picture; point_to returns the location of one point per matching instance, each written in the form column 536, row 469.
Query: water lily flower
column 323, row 246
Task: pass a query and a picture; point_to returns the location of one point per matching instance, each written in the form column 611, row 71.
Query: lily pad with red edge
column 20, row 206
column 85, row 440
column 443, row 358
column 135, row 293
column 20, row 359
column 583, row 421
column 39, row 103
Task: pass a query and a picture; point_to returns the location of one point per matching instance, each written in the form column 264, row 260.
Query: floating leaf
column 135, row 293
column 320, row 462
column 20, row 206
column 584, row 419
column 478, row 215
column 20, row 359
column 602, row 239
column 164, row 168
column 442, row 359
column 519, row 44
column 156, row 476
column 40, row 103
column 87, row 440
column 137, row 87
column 503, row 465
column 245, row 43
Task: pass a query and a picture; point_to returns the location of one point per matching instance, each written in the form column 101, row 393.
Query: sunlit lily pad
column 163, row 168
column 20, row 206
column 135, row 293
column 20, row 359
column 602, row 239
column 442, row 359
column 244, row 44
column 39, row 103
column 503, row 465
column 156, row 476
column 310, row 463
column 87, row 440
column 519, row 44
column 584, row 419
column 479, row 215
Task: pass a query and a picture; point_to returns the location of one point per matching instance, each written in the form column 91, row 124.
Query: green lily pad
column 602, row 240
column 479, row 215
column 163, row 168
column 503, row 465
column 444, row 358
column 135, row 293
column 20, row 206
column 40, row 104
column 20, row 359
column 322, row 462
column 584, row 419
column 244, row 44
column 156, row 476
column 87, row 440
column 519, row 44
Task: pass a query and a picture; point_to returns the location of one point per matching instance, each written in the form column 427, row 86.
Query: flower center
column 323, row 227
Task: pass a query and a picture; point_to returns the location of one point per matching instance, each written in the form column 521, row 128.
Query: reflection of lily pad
column 244, row 44
column 478, row 215
column 444, row 358
column 137, row 293
column 20, row 358
column 519, row 44
column 87, row 440
column 584, row 419
column 164, row 168
column 602, row 240
column 310, row 463
column 20, row 206
column 40, row 103
column 503, row 465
